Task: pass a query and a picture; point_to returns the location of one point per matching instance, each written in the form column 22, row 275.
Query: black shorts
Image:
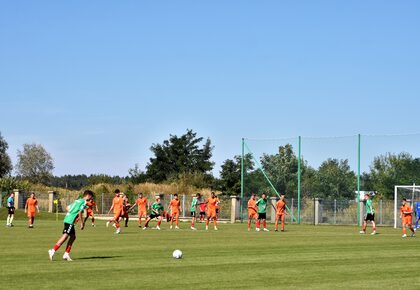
column 69, row 229
column 262, row 216
column 11, row 210
column 202, row 213
column 370, row 217
column 153, row 215
column 193, row 214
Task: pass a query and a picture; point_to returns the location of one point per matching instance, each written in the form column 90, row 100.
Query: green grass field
column 323, row 257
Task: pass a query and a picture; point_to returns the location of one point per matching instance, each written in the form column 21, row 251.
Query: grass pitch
column 303, row 257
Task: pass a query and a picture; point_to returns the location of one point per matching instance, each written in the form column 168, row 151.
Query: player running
column 370, row 214
column 262, row 213
column 142, row 207
column 117, row 205
column 91, row 205
column 406, row 216
column 211, row 210
column 252, row 211
column 10, row 210
column 194, row 204
column 157, row 210
column 74, row 212
column 175, row 206
column 280, row 213
column 31, row 207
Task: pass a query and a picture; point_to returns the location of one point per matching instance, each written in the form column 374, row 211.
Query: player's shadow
column 99, row 257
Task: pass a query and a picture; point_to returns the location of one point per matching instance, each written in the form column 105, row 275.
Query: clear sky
column 97, row 82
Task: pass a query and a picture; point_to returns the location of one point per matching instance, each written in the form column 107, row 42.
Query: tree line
column 188, row 159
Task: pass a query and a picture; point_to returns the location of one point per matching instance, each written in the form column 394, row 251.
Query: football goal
column 409, row 192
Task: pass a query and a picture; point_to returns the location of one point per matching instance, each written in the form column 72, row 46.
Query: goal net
column 409, row 192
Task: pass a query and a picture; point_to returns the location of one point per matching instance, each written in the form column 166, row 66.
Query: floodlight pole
column 299, row 175
column 242, row 177
column 358, row 179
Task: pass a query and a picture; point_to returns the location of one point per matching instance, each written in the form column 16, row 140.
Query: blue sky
column 97, row 82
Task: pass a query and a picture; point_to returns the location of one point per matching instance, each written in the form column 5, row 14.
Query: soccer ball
column 177, row 254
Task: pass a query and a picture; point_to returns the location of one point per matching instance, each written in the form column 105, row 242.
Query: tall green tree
column 34, row 163
column 230, row 175
column 334, row 179
column 180, row 155
column 391, row 169
column 5, row 162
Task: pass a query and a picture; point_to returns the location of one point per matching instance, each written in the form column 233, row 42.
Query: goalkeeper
column 417, row 215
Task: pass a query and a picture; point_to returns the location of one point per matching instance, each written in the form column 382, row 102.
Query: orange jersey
column 252, row 206
column 142, row 204
column 91, row 204
column 117, row 202
column 31, row 204
column 280, row 207
column 175, row 205
column 212, row 203
column 406, row 210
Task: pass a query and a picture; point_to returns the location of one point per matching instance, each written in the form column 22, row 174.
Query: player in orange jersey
column 91, row 205
column 31, row 207
column 252, row 210
column 211, row 210
column 142, row 207
column 117, row 206
column 280, row 213
column 407, row 220
column 175, row 206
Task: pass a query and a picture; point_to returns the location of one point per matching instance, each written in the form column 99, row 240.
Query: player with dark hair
column 157, row 211
column 202, row 206
column 252, row 211
column 211, row 210
column 117, row 205
column 406, row 216
column 370, row 214
column 31, row 207
column 262, row 213
column 74, row 212
column 10, row 210
column 280, row 213
column 194, row 204
column 142, row 207
column 175, row 206
column 91, row 206
column 125, row 209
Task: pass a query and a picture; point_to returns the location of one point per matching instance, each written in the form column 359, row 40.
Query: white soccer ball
column 177, row 254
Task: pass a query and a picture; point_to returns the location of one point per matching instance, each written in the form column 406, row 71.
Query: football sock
column 8, row 220
column 11, row 219
column 264, row 224
column 249, row 224
column 68, row 249
column 404, row 230
column 257, row 224
column 56, row 247
column 159, row 222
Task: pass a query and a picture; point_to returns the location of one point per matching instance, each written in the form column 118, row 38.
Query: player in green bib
column 262, row 213
column 157, row 211
column 370, row 214
column 74, row 211
column 194, row 205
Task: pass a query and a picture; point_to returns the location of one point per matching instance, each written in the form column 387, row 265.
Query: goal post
column 409, row 192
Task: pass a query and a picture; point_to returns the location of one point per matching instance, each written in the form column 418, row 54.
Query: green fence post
column 299, row 175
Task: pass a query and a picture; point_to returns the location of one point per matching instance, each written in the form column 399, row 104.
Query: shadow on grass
column 99, row 257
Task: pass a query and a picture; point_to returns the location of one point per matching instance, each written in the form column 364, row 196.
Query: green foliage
column 230, row 175
column 5, row 162
column 334, row 179
column 136, row 175
column 35, row 163
column 8, row 184
column 392, row 169
column 179, row 155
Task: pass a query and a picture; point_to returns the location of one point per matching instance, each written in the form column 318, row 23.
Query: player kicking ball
column 252, row 211
column 157, row 211
column 280, row 213
column 370, row 215
column 74, row 212
column 262, row 213
column 406, row 217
